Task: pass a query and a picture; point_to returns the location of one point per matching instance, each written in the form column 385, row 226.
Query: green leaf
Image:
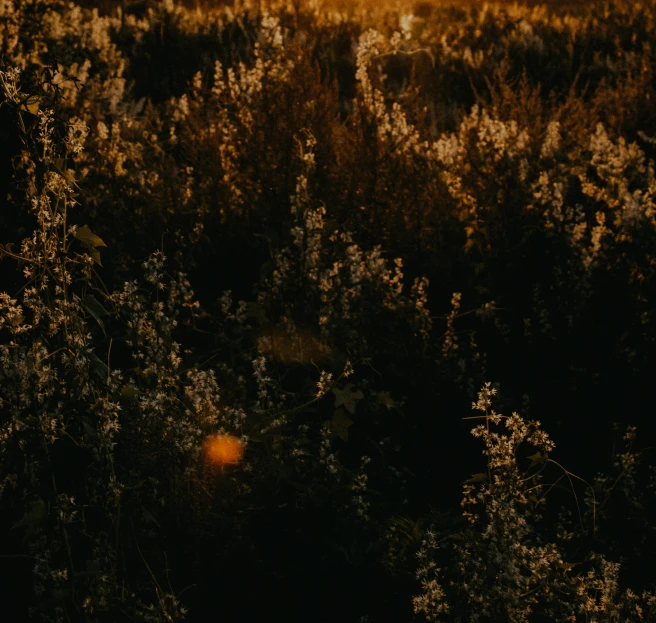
column 99, row 366
column 34, row 515
column 88, row 238
column 4, row 249
column 31, row 104
column 95, row 309
column 94, row 305
column 90, row 242
column 347, row 397
column 537, row 459
column 148, row 517
column 32, row 518
column 385, row 400
column 340, row 423
column 129, row 393
column 476, row 478
column 91, row 432
column 95, row 255
column 63, row 170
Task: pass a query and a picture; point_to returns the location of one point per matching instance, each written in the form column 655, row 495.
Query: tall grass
column 258, row 260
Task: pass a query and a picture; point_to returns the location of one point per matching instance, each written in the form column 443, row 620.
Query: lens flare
column 223, row 450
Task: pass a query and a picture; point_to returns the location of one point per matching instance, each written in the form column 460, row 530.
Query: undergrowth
column 257, row 263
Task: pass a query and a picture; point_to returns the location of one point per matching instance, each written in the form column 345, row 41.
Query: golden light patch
column 223, row 450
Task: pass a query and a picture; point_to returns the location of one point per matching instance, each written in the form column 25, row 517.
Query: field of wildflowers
column 267, row 267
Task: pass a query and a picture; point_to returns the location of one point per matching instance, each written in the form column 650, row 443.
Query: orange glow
column 223, row 449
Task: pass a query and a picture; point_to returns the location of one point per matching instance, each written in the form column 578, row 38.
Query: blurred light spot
column 223, row 449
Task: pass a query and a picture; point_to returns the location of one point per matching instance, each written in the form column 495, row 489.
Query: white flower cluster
column 504, row 567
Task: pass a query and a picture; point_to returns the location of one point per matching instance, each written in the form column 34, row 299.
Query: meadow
column 327, row 311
